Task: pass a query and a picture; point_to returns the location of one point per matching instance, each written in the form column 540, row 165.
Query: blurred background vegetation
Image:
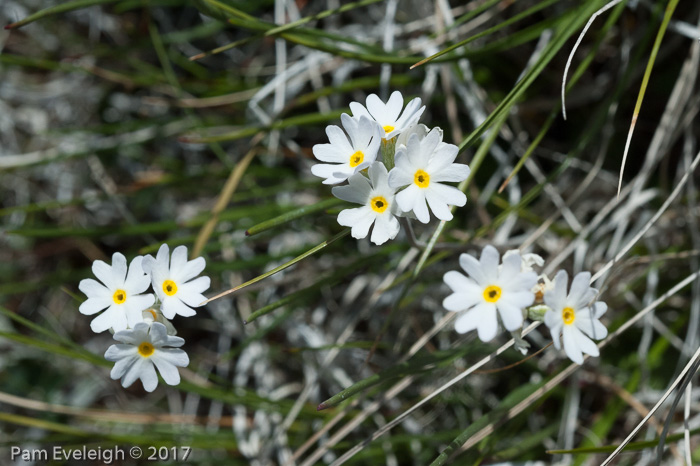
column 128, row 123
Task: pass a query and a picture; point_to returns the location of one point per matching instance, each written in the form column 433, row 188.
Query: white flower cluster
column 140, row 322
column 508, row 292
column 408, row 179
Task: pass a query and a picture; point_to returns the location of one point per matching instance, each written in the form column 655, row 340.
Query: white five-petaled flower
column 378, row 206
column 574, row 316
column 347, row 154
column 423, row 165
column 141, row 350
column 119, row 292
column 487, row 290
column 173, row 282
column 387, row 114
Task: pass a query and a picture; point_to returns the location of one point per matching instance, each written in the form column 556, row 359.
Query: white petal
column 556, row 297
column 356, row 191
column 394, row 106
column 378, row 176
column 511, row 268
column 449, row 194
column 148, row 376
column 399, row 177
column 105, row 274
column 333, row 174
column 121, row 367
column 338, row 138
column 461, row 284
column 113, row 317
column 174, row 357
column 386, row 227
column 579, row 288
column 473, row 268
column 173, row 306
column 191, row 292
column 489, row 263
column 136, row 279
column 570, row 345
column 359, row 110
column 360, row 219
column 119, row 351
column 94, row 305
column 519, row 299
column 437, row 204
column 591, row 327
column 585, row 343
column 378, row 109
column 94, row 289
column 488, row 323
column 170, row 374
column 553, row 320
column 461, row 301
column 511, row 316
column 599, row 308
column 134, row 306
column 329, row 153
column 188, row 271
column 411, row 114
column 454, row 173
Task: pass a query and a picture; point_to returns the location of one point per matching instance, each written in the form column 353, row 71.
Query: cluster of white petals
column 492, row 295
column 412, row 185
column 139, row 321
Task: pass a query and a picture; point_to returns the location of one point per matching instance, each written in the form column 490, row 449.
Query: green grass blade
column 293, row 215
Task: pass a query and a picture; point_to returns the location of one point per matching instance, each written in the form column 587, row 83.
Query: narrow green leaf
column 281, row 267
column 54, row 10
column 416, row 365
column 292, row 215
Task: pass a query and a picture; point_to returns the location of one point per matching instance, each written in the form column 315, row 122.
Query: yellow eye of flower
column 492, row 293
column 169, row 287
column 119, row 297
column 568, row 315
column 421, row 178
column 379, row 204
column 146, row 349
column 357, row 158
column 388, row 129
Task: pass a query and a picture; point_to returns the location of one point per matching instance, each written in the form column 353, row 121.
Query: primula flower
column 387, row 114
column 172, row 280
column 487, row 290
column 141, row 350
column 573, row 315
column 423, row 164
column 120, row 294
column 378, row 206
column 347, row 154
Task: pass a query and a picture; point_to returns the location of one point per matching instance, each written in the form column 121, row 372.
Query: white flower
column 387, row 115
column 574, row 316
column 378, row 206
column 347, row 154
column 424, row 164
column 142, row 348
column 488, row 289
column 120, row 294
column 171, row 281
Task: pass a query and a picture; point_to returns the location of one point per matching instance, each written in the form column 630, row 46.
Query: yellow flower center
column 492, row 293
column 119, row 297
column 379, row 204
column 146, row 349
column 357, row 158
column 422, row 179
column 568, row 315
column 388, row 129
column 169, row 287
